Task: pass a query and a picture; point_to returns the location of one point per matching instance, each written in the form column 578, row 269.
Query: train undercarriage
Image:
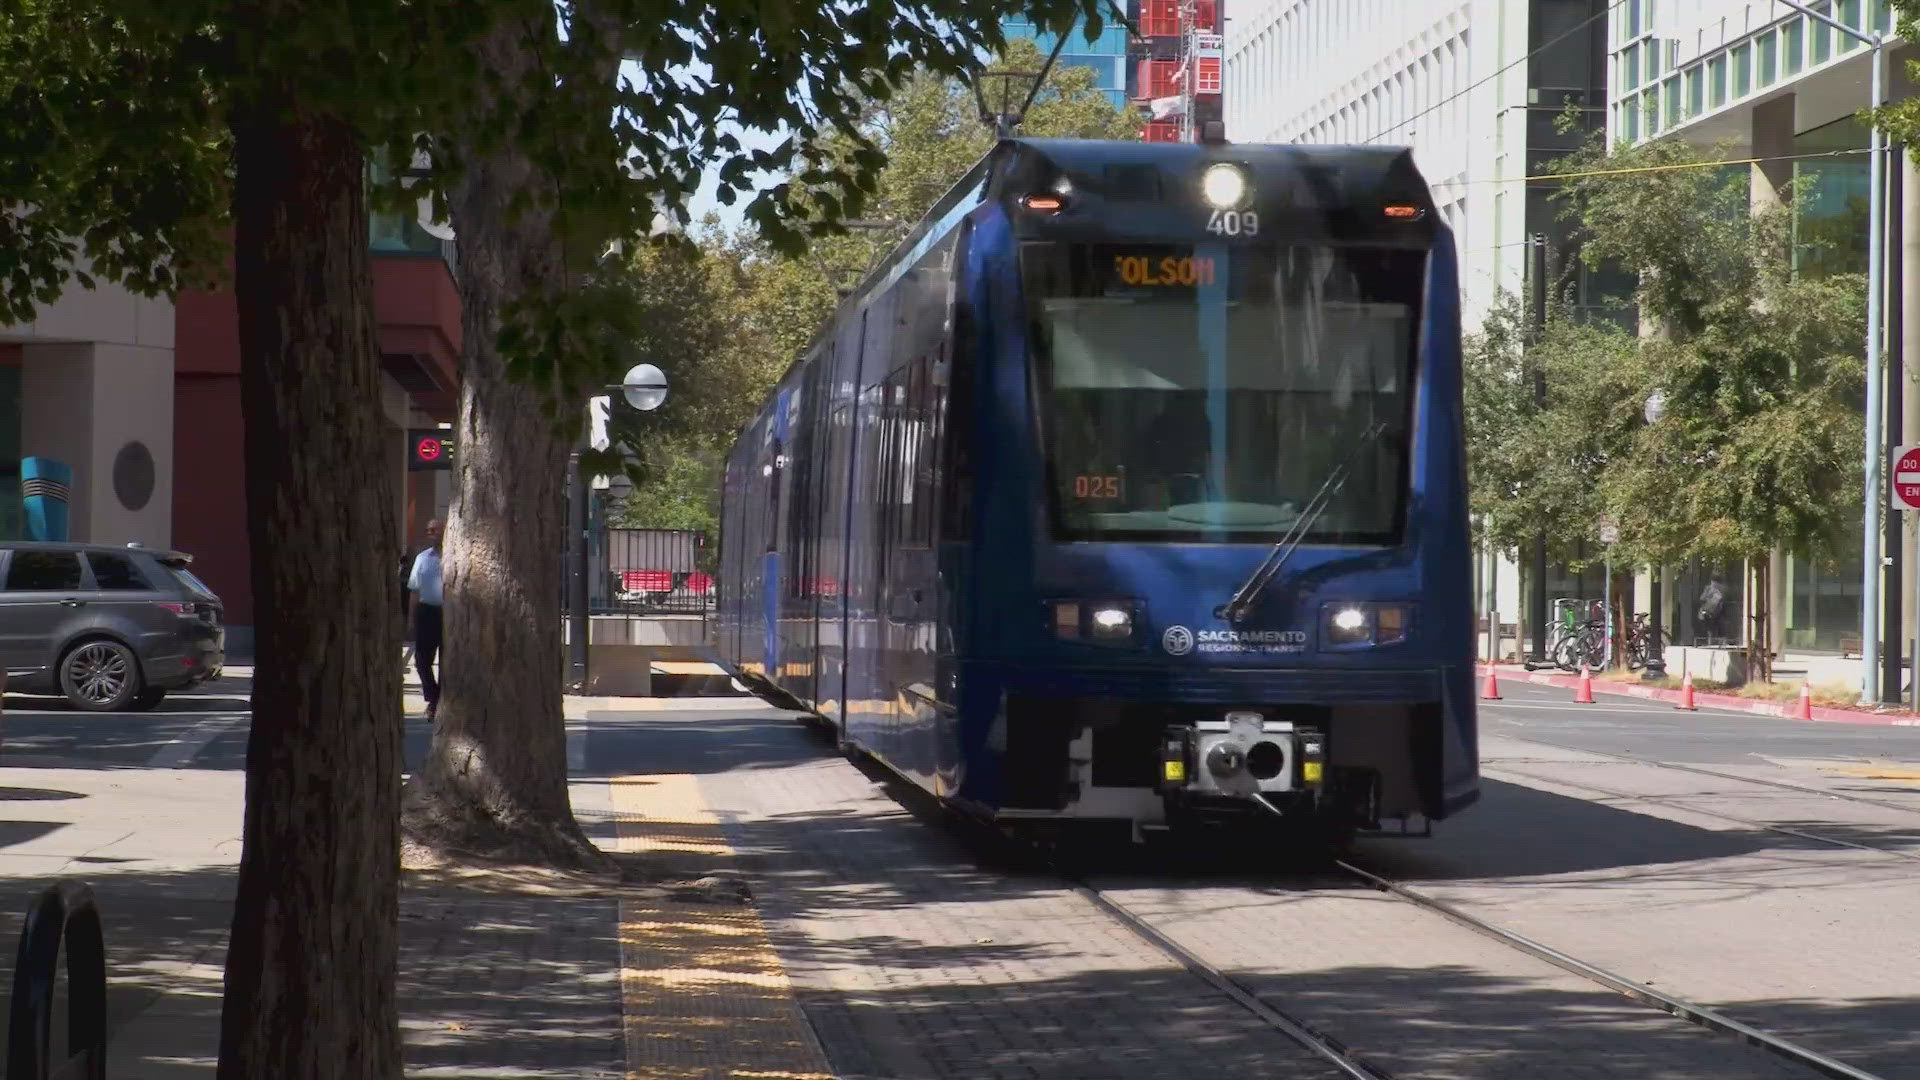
column 1322, row 773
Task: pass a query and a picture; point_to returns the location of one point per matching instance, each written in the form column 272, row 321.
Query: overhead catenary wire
column 1717, row 163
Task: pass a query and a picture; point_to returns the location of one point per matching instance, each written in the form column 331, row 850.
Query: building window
column 1696, row 92
column 1769, row 69
column 1650, row 105
column 1717, row 81
column 1822, row 38
column 1850, row 15
column 1793, row 45
column 1742, row 71
column 1630, row 122
column 1633, row 19
column 1671, row 93
column 1630, row 67
column 1882, row 20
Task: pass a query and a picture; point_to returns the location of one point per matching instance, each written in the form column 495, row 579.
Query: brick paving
column 911, row 962
column 1807, row 940
column 510, row 985
column 1423, row 997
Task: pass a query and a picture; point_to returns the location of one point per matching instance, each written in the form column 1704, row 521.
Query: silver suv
column 108, row 628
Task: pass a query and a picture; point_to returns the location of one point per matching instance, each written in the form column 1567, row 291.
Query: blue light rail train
column 1130, row 490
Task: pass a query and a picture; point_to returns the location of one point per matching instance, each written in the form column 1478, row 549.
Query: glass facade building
column 1105, row 56
column 1776, row 84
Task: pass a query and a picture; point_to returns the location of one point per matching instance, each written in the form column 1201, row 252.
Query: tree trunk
column 495, row 782
column 312, row 959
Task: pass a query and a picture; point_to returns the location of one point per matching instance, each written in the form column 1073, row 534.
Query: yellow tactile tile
column 704, row 994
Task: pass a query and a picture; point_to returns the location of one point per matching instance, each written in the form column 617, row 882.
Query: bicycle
column 1643, row 642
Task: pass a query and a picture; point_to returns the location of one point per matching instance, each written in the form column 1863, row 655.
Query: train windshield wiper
column 1238, row 608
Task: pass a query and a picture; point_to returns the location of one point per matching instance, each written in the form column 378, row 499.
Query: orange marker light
column 1403, row 212
column 1047, row 204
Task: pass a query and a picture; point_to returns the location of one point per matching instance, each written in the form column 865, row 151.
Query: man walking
column 424, row 584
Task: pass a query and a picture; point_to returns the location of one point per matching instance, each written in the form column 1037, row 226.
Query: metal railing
column 652, row 571
column 62, row 915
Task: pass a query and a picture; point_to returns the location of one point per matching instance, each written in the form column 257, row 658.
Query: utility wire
column 1665, row 168
column 1523, row 58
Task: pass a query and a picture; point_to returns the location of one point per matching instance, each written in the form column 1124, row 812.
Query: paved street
column 878, row 944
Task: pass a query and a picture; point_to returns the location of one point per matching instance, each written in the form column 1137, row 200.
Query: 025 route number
column 1234, row 223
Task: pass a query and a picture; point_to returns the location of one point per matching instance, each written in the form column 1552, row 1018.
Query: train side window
column 956, row 481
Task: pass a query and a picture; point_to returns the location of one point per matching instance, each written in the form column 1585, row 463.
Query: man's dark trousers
column 426, row 649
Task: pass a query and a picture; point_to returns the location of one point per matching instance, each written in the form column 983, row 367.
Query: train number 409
column 1234, row 223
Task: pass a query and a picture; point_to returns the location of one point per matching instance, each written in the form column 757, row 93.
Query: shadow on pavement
column 886, row 918
column 490, row 984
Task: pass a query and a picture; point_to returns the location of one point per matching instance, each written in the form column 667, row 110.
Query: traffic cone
column 1805, row 712
column 1686, row 694
column 1583, row 693
column 1490, row 690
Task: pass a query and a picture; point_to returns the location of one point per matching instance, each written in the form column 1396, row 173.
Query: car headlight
column 1098, row 622
column 1356, row 624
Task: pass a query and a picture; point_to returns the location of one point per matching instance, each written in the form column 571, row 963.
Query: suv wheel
column 100, row 676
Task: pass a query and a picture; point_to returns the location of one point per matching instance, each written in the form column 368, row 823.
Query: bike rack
column 63, row 914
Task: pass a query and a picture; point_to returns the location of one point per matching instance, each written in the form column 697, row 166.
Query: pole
column 1876, row 251
column 1493, row 597
column 1606, row 607
column 1656, row 644
column 1538, row 615
column 577, row 575
column 1894, row 628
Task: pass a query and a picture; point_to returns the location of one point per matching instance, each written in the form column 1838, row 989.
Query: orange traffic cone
column 1490, row 690
column 1805, row 711
column 1686, row 694
column 1583, row 693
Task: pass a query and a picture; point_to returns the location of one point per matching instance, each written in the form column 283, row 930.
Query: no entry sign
column 1905, row 487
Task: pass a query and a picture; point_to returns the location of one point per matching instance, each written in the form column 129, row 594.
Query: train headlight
column 1112, row 623
column 1224, row 186
column 1349, row 625
column 1096, row 622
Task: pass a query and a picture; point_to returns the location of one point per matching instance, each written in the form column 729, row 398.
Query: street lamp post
column 1656, row 668
column 644, row 387
column 1876, row 257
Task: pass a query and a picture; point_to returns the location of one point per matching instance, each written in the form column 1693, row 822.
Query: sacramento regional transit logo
column 1178, row 641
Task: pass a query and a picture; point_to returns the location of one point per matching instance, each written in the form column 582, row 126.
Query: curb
column 1777, row 709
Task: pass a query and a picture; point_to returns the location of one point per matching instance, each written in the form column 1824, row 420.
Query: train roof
column 1308, row 189
column 1354, row 173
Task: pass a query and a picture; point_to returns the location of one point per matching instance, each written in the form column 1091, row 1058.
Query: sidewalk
column 1702, row 700
column 521, row 973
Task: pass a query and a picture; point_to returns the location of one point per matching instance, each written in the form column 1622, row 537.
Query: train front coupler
column 1244, row 760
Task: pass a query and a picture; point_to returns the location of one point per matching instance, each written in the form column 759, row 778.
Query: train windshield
column 1203, row 392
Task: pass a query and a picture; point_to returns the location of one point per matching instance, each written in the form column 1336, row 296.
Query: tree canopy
column 1759, row 368
column 726, row 314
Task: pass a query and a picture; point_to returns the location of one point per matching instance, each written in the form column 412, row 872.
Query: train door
column 774, row 469
column 799, row 628
column 868, row 697
column 911, row 593
column 838, row 497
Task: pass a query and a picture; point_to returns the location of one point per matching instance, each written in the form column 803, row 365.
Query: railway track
column 1678, row 802
column 1322, row 1045
column 1342, row 1057
column 1806, row 789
